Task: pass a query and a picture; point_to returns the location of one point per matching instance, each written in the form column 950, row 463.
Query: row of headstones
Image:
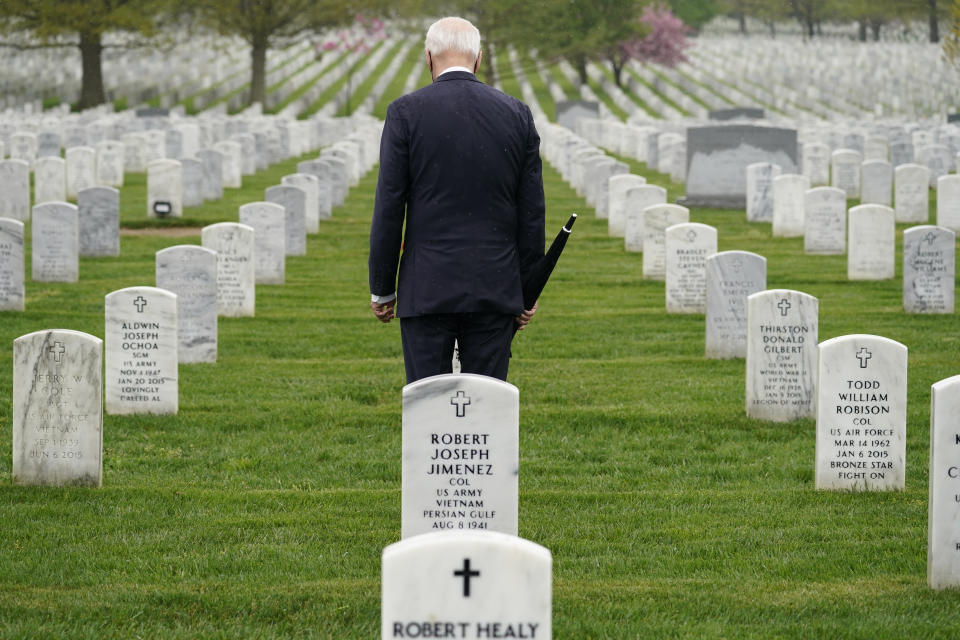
column 152, row 330
column 862, row 414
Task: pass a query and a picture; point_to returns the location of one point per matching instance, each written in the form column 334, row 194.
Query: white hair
column 453, row 35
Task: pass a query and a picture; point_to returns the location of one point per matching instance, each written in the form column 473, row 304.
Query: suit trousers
column 483, row 338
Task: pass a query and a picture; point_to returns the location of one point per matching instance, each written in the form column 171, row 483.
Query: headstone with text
column 825, row 221
column 871, row 243
column 656, row 219
column 688, row 245
column 98, row 211
column 788, row 205
column 460, row 455
column 468, row 585
column 732, row 277
column 929, row 263
column 49, row 180
column 781, row 355
column 861, row 413
column 760, row 177
column 11, row 265
column 58, row 409
column 55, row 243
column 141, row 351
column 81, row 168
column 943, row 535
column 236, row 277
column 190, row 272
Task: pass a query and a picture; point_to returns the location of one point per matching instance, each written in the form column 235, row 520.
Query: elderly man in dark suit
column 461, row 161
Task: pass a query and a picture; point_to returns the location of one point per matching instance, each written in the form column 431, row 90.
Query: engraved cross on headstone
column 140, row 303
column 784, row 306
column 461, row 400
column 466, row 573
column 57, row 350
column 930, row 238
column 691, row 235
column 863, row 355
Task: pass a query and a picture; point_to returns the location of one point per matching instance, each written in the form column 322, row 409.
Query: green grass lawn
column 261, row 509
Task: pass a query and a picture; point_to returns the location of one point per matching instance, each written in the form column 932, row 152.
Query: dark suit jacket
column 462, row 160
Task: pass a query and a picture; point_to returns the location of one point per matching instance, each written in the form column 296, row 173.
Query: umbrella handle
column 569, row 226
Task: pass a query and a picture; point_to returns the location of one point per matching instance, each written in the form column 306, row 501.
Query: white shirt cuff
column 383, row 299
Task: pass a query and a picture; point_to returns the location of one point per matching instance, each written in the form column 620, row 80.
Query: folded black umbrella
column 537, row 278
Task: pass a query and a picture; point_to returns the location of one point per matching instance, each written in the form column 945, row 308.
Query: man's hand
column 523, row 320
column 384, row 311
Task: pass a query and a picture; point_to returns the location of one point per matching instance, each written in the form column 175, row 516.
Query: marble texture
column 23, row 146
column 81, row 169
column 781, row 355
column 212, row 173
column 871, row 248
column 165, row 187
column 656, row 219
column 816, row 163
column 55, row 242
column 876, row 183
column 948, row 202
column 311, row 188
column 788, row 203
column 236, row 277
column 617, row 188
column 688, row 246
column 98, row 210
column 110, row 167
column 845, row 171
column 929, row 263
column 322, row 171
column 467, row 585
column 11, row 265
column 49, row 180
column 155, row 145
column 943, row 530
column 825, row 221
column 191, row 173
column 248, row 146
column 15, row 190
column 141, row 351
column 134, row 152
column 460, row 455
column 269, row 225
column 339, row 179
column 232, row 163
column 911, row 193
column 58, row 409
column 48, row 144
column 861, row 413
column 876, row 148
column 901, row 153
column 190, row 272
column 173, row 143
column 732, row 276
column 759, row 194
column 294, row 202
column 638, row 199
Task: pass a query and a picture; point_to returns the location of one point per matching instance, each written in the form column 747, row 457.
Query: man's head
column 452, row 42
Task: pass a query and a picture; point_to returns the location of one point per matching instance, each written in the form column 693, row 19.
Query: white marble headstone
column 929, row 263
column 164, row 189
column 760, row 177
column 268, row 221
column 656, row 219
column 845, row 171
column 49, row 180
column 81, row 170
column 468, row 585
column 460, row 455
column 871, row 246
column 732, row 276
column 212, row 173
column 911, row 193
column 236, row 278
column 232, row 163
column 688, row 246
column 788, row 205
column 311, row 187
column 98, row 209
column 23, row 146
column 110, row 168
column 948, row 202
column 816, row 163
column 781, row 355
column 825, row 221
column 943, row 532
column 191, row 272
column 141, row 347
column 618, row 186
column 861, row 413
column 191, row 173
column 58, row 409
column 55, row 242
column 638, row 199
column 15, row 189
column 321, row 170
column 294, row 202
column 11, row 265
column 877, row 183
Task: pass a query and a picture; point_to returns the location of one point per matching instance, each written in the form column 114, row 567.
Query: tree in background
column 696, row 13
column 951, row 43
column 80, row 23
column 666, row 41
column 263, row 23
column 366, row 32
